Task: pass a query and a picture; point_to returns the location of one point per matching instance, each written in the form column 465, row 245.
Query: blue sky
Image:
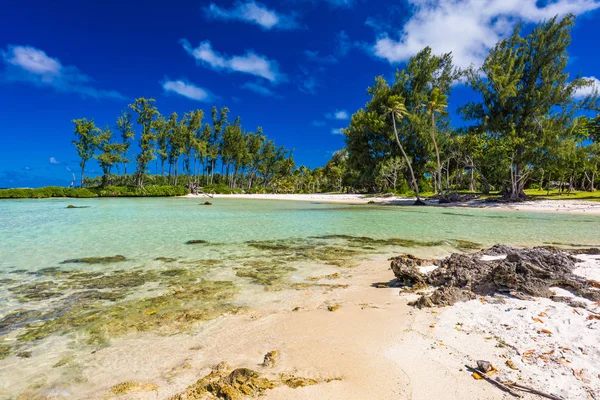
column 298, row 68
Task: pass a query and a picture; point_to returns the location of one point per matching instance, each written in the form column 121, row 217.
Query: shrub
column 220, row 189
column 149, row 191
column 45, row 192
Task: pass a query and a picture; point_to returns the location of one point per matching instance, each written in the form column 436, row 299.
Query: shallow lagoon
column 254, row 252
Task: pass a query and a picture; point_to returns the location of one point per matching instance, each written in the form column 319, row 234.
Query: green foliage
column 219, row 189
column 147, row 191
column 86, row 133
column 45, row 192
column 146, row 114
column 527, row 97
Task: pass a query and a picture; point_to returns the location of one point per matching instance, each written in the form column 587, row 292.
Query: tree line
column 248, row 160
column 528, row 128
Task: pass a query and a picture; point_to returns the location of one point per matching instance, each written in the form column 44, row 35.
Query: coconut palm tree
column 395, row 106
column 437, row 104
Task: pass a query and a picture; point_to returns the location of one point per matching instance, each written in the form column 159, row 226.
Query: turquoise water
column 41, row 233
column 54, row 316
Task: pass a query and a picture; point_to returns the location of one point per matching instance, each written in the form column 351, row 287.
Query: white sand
column 427, row 269
column 553, row 206
column 493, row 258
column 589, row 267
column 559, row 355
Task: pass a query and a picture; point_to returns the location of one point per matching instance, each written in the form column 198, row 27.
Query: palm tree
column 397, row 109
column 436, row 104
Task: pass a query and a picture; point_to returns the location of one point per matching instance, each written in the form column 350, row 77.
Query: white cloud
column 250, row 63
column 186, row 89
column 68, row 169
column 588, row 90
column 468, row 28
column 54, row 160
column 254, row 13
column 337, row 131
column 260, row 89
column 307, row 82
column 314, row 56
column 318, row 123
column 338, row 114
column 32, row 65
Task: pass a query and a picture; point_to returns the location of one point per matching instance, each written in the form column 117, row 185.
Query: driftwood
column 494, row 382
column 532, row 390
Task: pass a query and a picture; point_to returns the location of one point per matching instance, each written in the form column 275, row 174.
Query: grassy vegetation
column 556, row 195
column 45, row 192
column 109, row 191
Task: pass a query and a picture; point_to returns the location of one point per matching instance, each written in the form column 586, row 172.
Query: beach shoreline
column 546, row 206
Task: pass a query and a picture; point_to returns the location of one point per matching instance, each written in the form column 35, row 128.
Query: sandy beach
column 551, row 206
column 364, row 341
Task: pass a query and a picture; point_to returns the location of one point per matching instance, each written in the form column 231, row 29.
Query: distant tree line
column 188, row 152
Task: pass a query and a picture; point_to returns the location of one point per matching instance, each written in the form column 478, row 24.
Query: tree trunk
column 419, row 202
column 472, row 182
column 82, row 174
column 437, row 152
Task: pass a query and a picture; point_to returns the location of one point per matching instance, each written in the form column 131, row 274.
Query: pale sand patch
column 493, row 258
column 589, row 268
column 549, row 206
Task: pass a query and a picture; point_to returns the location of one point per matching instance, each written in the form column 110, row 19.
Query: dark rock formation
column 196, row 242
column 95, row 260
column 523, row 273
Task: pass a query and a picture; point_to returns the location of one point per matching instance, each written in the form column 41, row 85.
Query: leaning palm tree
column 395, row 106
column 436, row 104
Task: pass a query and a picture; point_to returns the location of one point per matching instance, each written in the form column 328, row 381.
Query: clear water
column 37, row 235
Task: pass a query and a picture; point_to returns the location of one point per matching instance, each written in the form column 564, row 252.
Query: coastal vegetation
column 530, row 127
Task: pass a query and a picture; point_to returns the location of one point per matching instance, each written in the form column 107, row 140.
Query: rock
column 241, row 383
column 199, row 241
column 525, row 273
column 333, row 308
column 484, row 366
column 72, row 206
column 271, row 358
column 129, row 386
column 206, row 203
column 405, row 269
column 95, row 260
column 591, row 251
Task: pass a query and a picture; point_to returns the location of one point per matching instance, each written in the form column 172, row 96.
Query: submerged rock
column 95, row 260
column 72, row 206
column 199, row 241
column 206, row 203
column 523, row 273
column 128, row 387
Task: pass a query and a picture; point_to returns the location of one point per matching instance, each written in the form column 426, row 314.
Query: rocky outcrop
column 405, row 267
column 523, row 273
